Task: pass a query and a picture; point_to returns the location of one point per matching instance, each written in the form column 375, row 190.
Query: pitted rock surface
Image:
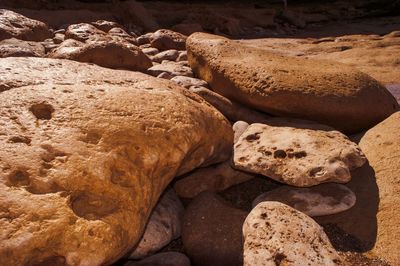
column 82, row 32
column 318, row 200
column 297, row 156
column 276, row 234
column 167, row 39
column 14, row 25
column 83, row 164
column 328, row 92
column 164, row 225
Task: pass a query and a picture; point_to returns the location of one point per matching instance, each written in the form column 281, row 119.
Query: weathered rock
column 58, row 38
column 187, row 82
column 168, row 39
column 238, row 128
column 119, row 32
column 162, row 259
column 214, row 178
column 165, row 75
column 105, row 25
column 82, row 32
column 164, row 225
column 170, row 55
column 17, row 48
column 328, row 92
column 107, row 53
column 49, row 45
column 86, row 154
column 211, row 232
column 318, row 200
column 14, row 25
column 276, row 234
column 297, row 156
column 381, row 145
column 171, row 68
column 232, row 110
column 150, row 51
column 145, row 38
column 182, row 56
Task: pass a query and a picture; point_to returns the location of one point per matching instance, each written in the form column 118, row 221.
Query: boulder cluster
column 118, row 146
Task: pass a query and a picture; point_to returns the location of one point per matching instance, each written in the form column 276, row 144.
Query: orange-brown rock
column 16, row 48
column 84, row 160
column 381, row 145
column 14, row 25
column 324, row 91
column 106, row 52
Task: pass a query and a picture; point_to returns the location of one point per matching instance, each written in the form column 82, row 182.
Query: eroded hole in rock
column 92, row 138
column 19, row 178
column 315, row 171
column 42, row 111
column 278, row 258
column 20, row 139
column 280, row 154
column 119, row 177
column 300, row 154
column 253, row 137
column 92, row 207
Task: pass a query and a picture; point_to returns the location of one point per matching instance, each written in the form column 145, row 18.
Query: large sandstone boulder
column 328, row 92
column 276, row 234
column 297, row 156
column 381, row 145
column 14, row 25
column 83, row 163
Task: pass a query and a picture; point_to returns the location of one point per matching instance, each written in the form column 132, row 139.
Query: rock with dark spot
column 86, row 152
column 164, row 225
column 297, row 156
column 318, row 200
column 276, row 234
column 238, row 128
column 212, row 231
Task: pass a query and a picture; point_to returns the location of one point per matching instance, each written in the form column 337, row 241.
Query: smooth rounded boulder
column 297, row 156
column 318, row 200
column 83, row 164
column 381, row 145
column 276, row 234
column 327, row 92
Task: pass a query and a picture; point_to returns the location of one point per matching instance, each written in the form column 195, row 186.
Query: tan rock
column 230, row 109
column 105, row 25
column 187, row 82
column 17, row 48
column 104, row 52
column 238, row 129
column 276, row 234
column 168, row 39
column 324, row 91
column 214, row 178
column 121, row 33
column 14, row 25
column 381, row 145
column 83, row 164
column 170, row 55
column 297, row 156
column 324, row 199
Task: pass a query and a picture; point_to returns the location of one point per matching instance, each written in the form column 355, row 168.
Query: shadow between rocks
column 355, row 230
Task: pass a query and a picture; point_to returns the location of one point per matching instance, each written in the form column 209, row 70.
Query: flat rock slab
column 318, row 200
column 328, row 92
column 276, row 234
column 84, row 164
column 297, row 156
